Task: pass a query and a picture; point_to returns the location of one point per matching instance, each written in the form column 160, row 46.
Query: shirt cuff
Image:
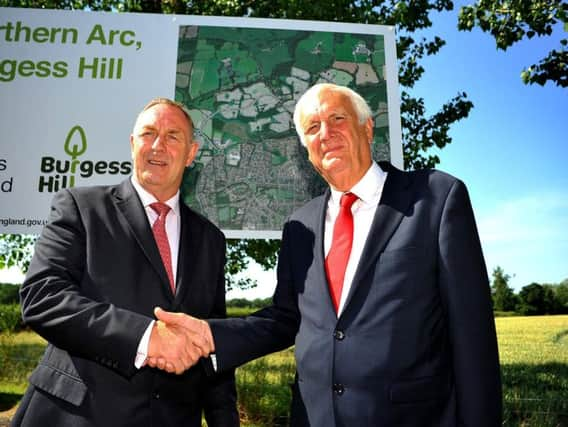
column 213, row 358
column 142, row 352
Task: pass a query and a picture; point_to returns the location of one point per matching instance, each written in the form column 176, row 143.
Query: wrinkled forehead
column 324, row 103
column 164, row 114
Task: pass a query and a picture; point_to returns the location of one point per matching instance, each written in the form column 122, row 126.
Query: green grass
column 264, row 389
column 534, row 366
column 239, row 311
column 19, row 354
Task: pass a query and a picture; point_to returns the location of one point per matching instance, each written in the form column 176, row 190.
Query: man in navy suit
column 410, row 338
column 96, row 275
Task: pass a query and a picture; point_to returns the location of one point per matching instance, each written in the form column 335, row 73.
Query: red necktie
column 161, row 236
column 336, row 260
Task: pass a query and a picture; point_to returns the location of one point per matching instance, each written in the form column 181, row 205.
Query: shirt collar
column 147, row 199
column 368, row 189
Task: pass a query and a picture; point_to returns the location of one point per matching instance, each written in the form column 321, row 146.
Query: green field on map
column 241, row 85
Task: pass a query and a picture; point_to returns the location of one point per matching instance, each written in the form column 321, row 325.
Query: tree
column 239, row 252
column 504, row 298
column 420, row 131
column 556, row 297
column 536, row 299
column 9, row 294
column 510, row 21
column 16, row 250
column 561, row 297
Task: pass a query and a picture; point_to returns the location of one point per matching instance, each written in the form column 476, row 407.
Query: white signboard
column 72, row 83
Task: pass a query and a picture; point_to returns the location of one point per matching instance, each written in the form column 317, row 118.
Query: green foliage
column 10, row 318
column 19, row 355
column 561, row 297
column 533, row 394
column 240, row 307
column 239, row 255
column 505, row 313
column 239, row 311
column 504, row 298
column 428, row 132
column 264, row 389
column 254, row 304
column 9, row 293
column 509, row 21
column 535, row 299
column 16, row 250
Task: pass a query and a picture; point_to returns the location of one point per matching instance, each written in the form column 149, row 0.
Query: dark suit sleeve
column 464, row 286
column 220, row 400
column 240, row 340
column 55, row 305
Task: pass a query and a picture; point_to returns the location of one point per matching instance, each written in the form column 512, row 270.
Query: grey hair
column 361, row 107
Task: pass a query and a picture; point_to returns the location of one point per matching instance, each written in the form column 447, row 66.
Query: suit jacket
column 415, row 344
column 90, row 290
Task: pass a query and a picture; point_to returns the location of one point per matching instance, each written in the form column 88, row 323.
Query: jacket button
column 156, row 395
column 338, row 335
column 338, row 389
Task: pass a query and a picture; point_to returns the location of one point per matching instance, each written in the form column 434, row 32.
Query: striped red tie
column 161, row 236
column 336, row 260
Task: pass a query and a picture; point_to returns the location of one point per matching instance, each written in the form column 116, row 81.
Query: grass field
column 534, row 364
column 534, row 367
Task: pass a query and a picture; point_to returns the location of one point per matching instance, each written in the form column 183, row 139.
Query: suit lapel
column 188, row 251
column 319, row 252
column 129, row 204
column 393, row 206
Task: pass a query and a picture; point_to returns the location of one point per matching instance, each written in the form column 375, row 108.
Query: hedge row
column 10, row 318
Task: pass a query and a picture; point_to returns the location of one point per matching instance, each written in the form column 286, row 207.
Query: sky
column 511, row 152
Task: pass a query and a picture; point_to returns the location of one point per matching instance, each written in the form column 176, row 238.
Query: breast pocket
column 403, row 272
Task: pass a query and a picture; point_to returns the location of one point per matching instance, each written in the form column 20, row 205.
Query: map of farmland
column 241, row 86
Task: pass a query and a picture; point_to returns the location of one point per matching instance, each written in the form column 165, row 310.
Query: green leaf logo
column 76, row 150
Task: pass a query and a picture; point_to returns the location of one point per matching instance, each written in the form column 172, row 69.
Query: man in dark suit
column 97, row 273
column 408, row 337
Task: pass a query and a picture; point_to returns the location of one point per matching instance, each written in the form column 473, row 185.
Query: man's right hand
column 178, row 341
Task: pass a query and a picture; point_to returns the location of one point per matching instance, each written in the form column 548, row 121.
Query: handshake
column 178, row 341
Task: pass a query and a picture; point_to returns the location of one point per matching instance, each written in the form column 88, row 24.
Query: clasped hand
column 178, row 341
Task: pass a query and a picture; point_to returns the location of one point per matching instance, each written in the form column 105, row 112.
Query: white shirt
column 369, row 190
column 173, row 232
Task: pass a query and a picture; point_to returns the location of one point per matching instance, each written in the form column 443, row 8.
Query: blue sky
column 512, row 151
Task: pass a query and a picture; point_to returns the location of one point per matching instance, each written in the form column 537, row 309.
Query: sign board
column 72, row 83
